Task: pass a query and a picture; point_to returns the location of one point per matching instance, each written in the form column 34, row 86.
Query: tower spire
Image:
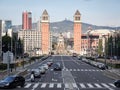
column 45, row 12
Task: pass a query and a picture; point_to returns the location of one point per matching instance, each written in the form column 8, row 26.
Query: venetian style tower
column 77, row 32
column 45, row 33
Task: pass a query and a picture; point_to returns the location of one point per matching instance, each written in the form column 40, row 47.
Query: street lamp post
column 89, row 42
column 8, row 63
column 104, row 49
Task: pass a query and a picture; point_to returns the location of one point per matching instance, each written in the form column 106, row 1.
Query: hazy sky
column 97, row 12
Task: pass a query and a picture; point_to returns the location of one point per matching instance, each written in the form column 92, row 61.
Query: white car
column 42, row 70
column 45, row 66
column 36, row 72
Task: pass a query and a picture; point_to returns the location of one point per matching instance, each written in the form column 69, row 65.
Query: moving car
column 12, row 81
column 36, row 73
column 117, row 83
column 57, row 67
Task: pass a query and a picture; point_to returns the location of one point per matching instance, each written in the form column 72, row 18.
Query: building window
column 77, row 18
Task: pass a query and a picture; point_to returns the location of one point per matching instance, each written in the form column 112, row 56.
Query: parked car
column 36, row 73
column 45, row 66
column 80, row 57
column 49, row 63
column 12, row 81
column 42, row 70
column 74, row 55
column 117, row 83
column 57, row 67
column 102, row 66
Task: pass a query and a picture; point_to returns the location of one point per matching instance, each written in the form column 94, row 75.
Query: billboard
column 8, row 57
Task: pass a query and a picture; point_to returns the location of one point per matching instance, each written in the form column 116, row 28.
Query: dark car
column 74, row 55
column 57, row 67
column 117, row 83
column 12, row 82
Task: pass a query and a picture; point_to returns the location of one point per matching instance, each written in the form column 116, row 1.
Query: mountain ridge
column 67, row 25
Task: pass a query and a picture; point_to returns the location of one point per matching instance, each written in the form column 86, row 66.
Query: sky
column 96, row 12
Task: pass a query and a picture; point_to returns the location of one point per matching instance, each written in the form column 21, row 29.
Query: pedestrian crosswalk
column 87, row 70
column 66, row 85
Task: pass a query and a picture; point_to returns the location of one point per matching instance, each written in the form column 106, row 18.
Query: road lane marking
column 66, row 85
column 97, row 85
column 36, row 85
column 74, row 85
column 74, row 69
column 82, row 85
column 105, row 85
column 82, row 70
column 59, row 85
column 51, row 85
column 112, row 85
column 66, row 69
column 28, row 85
column 90, row 85
column 43, row 85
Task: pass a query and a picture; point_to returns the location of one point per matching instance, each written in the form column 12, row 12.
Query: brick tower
column 77, row 32
column 45, row 33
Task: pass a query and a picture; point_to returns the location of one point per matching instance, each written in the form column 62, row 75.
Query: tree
column 110, row 46
column 6, row 43
column 16, row 44
column 100, row 48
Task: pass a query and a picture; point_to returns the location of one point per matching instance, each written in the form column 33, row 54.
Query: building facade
column 26, row 20
column 77, row 32
column 31, row 40
column 45, row 33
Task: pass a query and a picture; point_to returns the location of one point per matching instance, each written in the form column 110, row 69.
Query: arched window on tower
column 77, row 18
column 45, row 18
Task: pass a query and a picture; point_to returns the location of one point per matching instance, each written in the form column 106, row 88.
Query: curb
column 112, row 74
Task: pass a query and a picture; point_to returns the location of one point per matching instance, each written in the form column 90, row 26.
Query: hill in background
column 67, row 25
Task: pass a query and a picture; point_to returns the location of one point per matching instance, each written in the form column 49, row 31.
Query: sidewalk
column 112, row 72
column 18, row 70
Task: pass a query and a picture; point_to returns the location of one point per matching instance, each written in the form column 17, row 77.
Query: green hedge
column 4, row 66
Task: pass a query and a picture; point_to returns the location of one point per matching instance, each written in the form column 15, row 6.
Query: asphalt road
column 75, row 75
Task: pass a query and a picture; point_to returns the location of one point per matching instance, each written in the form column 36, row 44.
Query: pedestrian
column 32, row 77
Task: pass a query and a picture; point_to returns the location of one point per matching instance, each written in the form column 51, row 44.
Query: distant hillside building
column 26, row 20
